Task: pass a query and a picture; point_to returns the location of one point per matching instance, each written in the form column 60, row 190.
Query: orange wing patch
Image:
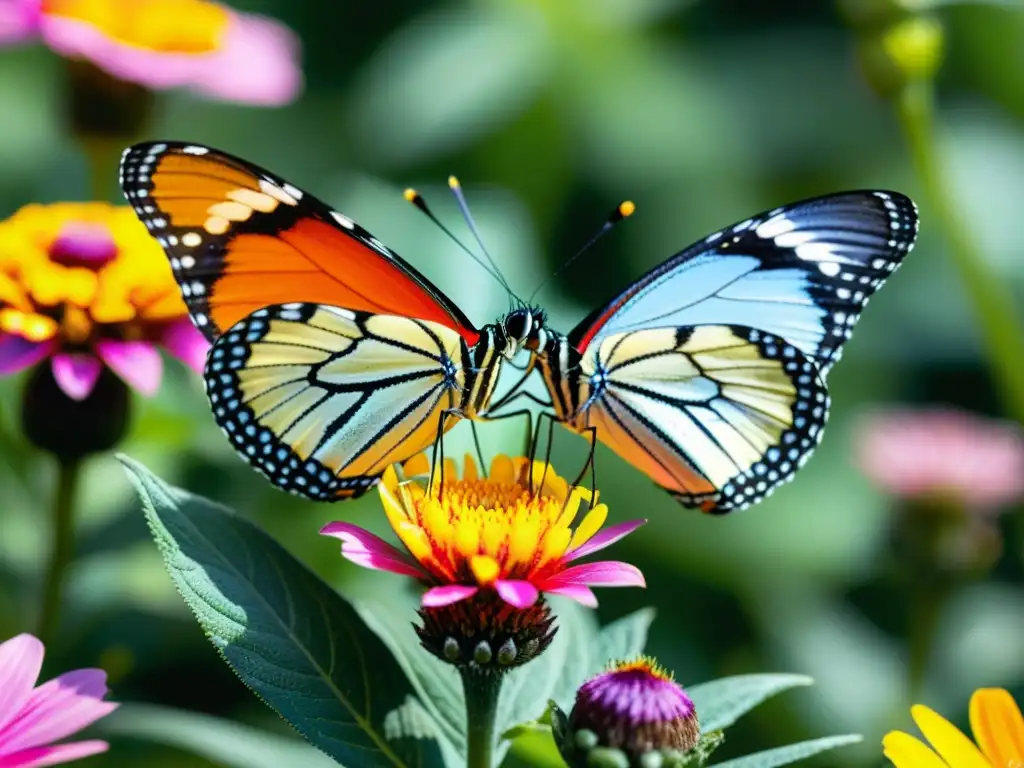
column 239, row 239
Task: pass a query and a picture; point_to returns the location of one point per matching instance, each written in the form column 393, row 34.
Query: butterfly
column 708, row 373
column 331, row 357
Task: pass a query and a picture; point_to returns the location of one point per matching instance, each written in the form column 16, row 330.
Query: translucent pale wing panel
column 717, row 415
column 803, row 272
column 321, row 400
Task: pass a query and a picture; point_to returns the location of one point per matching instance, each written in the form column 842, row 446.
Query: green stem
column 925, row 611
column 481, row 689
column 992, row 300
column 62, row 549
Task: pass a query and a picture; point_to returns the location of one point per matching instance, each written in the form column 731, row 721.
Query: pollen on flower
column 488, row 549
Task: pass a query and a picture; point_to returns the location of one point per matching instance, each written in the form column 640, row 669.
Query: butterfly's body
column 333, row 358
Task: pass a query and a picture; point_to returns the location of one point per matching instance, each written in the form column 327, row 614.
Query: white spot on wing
column 345, row 221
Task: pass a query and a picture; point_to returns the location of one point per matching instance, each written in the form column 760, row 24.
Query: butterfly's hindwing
column 321, row 400
column 717, row 415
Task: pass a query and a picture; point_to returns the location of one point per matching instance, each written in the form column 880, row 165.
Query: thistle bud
column 632, row 716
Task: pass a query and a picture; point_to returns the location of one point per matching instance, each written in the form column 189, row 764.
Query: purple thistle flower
column 629, row 714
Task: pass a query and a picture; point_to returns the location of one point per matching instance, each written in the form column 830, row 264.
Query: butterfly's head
column 524, row 328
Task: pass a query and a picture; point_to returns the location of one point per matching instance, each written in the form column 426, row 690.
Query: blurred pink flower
column 943, row 452
column 32, row 718
column 163, row 44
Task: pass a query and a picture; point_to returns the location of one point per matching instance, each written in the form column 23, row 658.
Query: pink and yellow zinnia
column 33, row 717
column 163, row 44
column 998, row 729
column 491, row 534
column 86, row 286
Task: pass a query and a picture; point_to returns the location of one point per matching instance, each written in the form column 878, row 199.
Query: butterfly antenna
column 414, row 197
column 456, row 188
column 623, row 210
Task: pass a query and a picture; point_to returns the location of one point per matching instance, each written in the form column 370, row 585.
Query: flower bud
column 72, row 429
column 634, row 715
column 486, row 632
column 907, row 52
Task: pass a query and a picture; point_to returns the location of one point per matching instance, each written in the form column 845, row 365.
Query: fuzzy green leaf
column 771, row 758
column 720, row 703
column 293, row 640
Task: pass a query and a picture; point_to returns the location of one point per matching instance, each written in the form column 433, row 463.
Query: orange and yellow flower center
column 646, row 664
column 478, row 530
column 122, row 278
column 167, row 26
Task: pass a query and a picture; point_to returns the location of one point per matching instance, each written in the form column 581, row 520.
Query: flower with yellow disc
column 488, row 549
column 86, row 286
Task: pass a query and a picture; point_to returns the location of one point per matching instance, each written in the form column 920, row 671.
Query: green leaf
column 222, row 741
column 436, row 684
column 293, row 640
column 790, row 754
column 625, row 638
column 721, row 703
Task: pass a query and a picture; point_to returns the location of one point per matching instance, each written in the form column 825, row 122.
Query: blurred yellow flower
column 998, row 729
column 85, row 284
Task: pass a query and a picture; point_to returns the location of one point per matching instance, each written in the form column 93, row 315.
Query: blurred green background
column 551, row 112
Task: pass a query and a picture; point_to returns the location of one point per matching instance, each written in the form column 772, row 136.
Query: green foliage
column 292, row 639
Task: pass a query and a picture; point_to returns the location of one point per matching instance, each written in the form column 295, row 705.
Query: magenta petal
column 57, row 709
column 577, row 592
column 136, row 362
column 602, row 539
column 76, row 374
column 606, row 573
column 363, row 548
column 258, row 63
column 183, row 340
column 517, row 593
column 19, row 20
column 438, row 597
column 37, row 757
column 21, row 658
column 17, row 353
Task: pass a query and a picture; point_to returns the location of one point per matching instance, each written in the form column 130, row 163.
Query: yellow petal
column 556, row 542
column 390, row 479
column 485, row 569
column 415, row 540
column 590, row 525
column 956, row 749
column 417, row 465
column 523, row 541
column 907, row 752
column 469, row 471
column 998, row 726
column 494, row 534
column 437, row 522
column 467, row 537
column 569, row 510
column 502, row 470
column 395, row 512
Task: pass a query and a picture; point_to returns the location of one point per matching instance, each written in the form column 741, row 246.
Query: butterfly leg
column 547, row 456
column 591, row 433
column 439, row 446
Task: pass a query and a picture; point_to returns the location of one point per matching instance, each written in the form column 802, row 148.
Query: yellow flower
column 85, row 284
column 998, row 729
column 487, row 548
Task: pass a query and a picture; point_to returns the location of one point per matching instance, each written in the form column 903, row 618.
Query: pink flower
column 32, row 718
column 86, row 286
column 162, row 44
column 488, row 550
column 492, row 533
column 944, row 453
